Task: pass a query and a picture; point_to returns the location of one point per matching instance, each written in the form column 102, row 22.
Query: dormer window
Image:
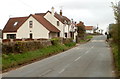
column 30, row 24
column 58, row 23
column 15, row 23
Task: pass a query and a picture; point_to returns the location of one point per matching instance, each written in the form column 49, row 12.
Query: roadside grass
column 15, row 60
column 116, row 57
column 70, row 44
column 89, row 37
column 86, row 39
column 0, row 62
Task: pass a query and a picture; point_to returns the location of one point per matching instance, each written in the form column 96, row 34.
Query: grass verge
column 16, row 60
column 86, row 39
column 89, row 36
column 116, row 57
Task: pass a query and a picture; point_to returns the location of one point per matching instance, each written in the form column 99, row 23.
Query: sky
column 91, row 12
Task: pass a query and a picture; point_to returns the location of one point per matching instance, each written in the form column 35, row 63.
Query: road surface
column 93, row 59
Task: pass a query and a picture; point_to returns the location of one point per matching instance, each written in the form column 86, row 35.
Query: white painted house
column 40, row 25
column 59, row 21
column 89, row 29
column 33, row 27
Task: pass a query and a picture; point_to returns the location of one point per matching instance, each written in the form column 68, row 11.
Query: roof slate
column 9, row 27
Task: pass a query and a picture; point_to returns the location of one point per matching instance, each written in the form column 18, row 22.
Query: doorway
column 31, row 36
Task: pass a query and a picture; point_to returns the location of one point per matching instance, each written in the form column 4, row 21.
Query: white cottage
column 59, row 21
column 40, row 25
column 33, row 27
column 89, row 29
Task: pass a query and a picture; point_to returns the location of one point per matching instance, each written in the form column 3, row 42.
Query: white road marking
column 46, row 72
column 62, row 70
column 86, row 52
column 77, row 58
column 92, row 47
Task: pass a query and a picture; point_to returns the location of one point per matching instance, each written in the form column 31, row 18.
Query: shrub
column 67, row 41
column 55, row 41
column 70, row 44
column 12, row 60
column 20, row 47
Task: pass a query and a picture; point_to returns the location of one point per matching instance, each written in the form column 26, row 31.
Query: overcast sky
column 91, row 12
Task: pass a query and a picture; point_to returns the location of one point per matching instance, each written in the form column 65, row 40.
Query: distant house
column 89, row 29
column 33, row 27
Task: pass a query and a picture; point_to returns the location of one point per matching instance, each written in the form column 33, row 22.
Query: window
column 30, row 24
column 11, row 36
column 15, row 23
column 58, row 23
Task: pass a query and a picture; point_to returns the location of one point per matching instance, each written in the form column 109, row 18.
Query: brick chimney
column 61, row 12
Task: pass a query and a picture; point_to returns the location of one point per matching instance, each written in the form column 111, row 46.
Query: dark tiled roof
column 9, row 27
column 46, row 23
column 62, row 18
column 41, row 14
column 88, row 27
column 80, row 24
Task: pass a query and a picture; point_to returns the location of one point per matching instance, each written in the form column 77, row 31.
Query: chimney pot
column 52, row 10
column 61, row 12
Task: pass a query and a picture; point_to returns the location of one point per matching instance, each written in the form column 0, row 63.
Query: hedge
column 20, row 47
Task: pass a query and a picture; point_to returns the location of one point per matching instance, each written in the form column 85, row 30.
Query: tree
column 81, row 29
column 115, row 30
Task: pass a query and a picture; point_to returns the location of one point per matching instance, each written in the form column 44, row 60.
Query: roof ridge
column 19, row 17
column 54, row 29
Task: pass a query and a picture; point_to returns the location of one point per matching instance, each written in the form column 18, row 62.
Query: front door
column 31, row 36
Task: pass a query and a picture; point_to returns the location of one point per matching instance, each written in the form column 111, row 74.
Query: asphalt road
column 93, row 59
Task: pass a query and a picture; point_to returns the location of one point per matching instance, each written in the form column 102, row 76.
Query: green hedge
column 13, row 60
column 20, row 47
column 55, row 41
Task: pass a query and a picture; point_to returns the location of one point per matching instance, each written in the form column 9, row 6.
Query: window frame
column 58, row 23
column 30, row 24
column 11, row 36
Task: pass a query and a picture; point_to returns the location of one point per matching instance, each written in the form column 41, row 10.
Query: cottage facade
column 33, row 27
column 89, row 29
column 40, row 25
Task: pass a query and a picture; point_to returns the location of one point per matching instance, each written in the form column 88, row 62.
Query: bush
column 20, row 47
column 67, row 41
column 55, row 41
column 70, row 44
column 11, row 60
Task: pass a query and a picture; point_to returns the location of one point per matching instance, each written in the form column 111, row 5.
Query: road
column 93, row 59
